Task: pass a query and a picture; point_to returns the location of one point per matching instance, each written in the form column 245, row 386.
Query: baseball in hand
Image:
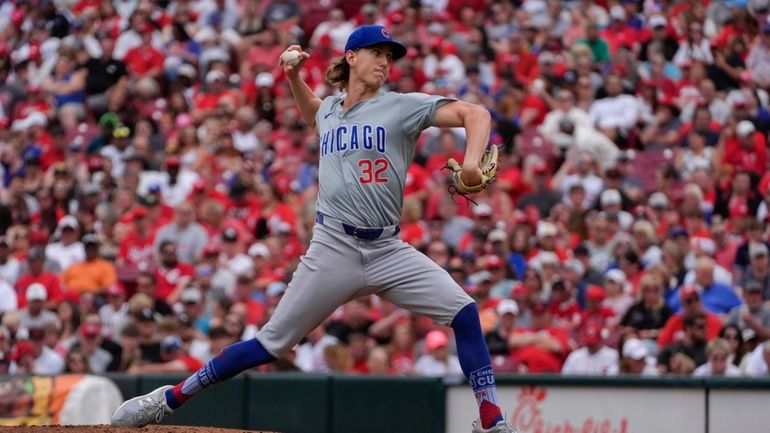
column 290, row 58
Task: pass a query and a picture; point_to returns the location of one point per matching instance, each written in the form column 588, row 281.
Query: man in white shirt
column 617, row 112
column 69, row 250
column 47, row 360
column 438, row 361
column 8, row 299
column 637, row 359
column 33, row 315
column 594, row 358
column 114, row 314
column 564, row 110
column 310, row 355
column 10, row 267
column 758, row 361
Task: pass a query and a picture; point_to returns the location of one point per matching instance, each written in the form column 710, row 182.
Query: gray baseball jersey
column 365, row 153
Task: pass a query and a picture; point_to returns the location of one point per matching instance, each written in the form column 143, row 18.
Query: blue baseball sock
column 230, row 361
column 476, row 363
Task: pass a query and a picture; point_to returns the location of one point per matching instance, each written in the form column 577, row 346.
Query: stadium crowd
column 158, row 184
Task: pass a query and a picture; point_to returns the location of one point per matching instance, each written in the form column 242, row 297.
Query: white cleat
column 146, row 409
column 500, row 427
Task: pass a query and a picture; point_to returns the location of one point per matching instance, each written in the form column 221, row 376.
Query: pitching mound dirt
column 108, row 429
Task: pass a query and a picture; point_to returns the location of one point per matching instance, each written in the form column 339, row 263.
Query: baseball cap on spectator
column 480, row 277
column 575, row 266
column 616, row 276
column 366, row 36
column 689, row 291
column 191, row 295
column 635, row 348
column 757, row 249
column 230, row 235
column 275, row 289
column 592, row 333
column 435, row 339
column 753, row 286
column 507, row 306
column 214, row 75
column 145, row 315
column 610, row 197
column 657, row 21
column 68, row 221
column 493, row 262
column 595, row 293
column 259, row 249
column 546, row 58
column 546, row 229
column 618, row 13
column 744, row 128
column 170, row 344
column 22, row 349
column 497, row 235
column 173, row 161
column 36, row 292
column 116, row 290
column 186, row 70
column 211, row 250
column 88, row 329
column 544, row 258
column 264, row 79
column 90, row 239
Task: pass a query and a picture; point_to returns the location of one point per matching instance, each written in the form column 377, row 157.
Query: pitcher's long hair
column 338, row 73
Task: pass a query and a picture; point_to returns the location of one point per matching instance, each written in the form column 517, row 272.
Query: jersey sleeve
column 418, row 111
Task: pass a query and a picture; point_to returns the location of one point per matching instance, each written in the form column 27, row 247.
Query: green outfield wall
column 304, row 403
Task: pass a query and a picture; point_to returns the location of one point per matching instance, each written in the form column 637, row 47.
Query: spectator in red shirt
column 144, row 61
column 673, row 330
column 172, row 275
column 136, row 246
column 244, row 293
column 746, row 149
column 36, row 273
column 543, row 347
column 514, row 58
column 565, row 311
column 619, row 33
column 595, row 312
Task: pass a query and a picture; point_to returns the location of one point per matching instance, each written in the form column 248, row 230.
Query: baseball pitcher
column 367, row 140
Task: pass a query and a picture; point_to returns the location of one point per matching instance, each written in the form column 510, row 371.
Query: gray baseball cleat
column 146, row 409
column 500, row 427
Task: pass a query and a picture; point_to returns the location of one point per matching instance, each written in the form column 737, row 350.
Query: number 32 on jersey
column 373, row 171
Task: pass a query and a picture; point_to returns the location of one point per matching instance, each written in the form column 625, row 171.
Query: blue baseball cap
column 366, row 36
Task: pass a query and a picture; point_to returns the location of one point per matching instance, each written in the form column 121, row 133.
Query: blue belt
column 364, row 233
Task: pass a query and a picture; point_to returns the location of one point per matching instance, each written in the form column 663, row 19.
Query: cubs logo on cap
column 366, row 36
